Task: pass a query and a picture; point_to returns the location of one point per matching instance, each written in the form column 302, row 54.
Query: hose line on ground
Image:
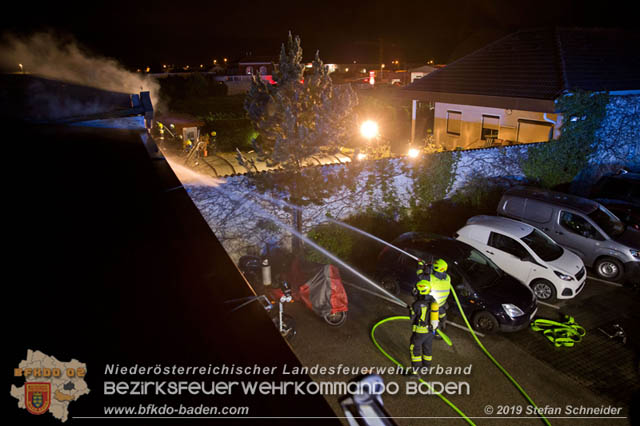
column 375, row 342
column 486, row 352
column 497, row 364
column 561, row 334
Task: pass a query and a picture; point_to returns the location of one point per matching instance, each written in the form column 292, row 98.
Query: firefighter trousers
column 420, row 349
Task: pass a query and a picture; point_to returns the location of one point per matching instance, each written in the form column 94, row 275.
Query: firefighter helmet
column 440, row 266
column 423, row 287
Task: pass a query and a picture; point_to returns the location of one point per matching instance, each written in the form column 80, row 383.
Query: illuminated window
column 454, row 119
column 263, row 70
column 534, row 131
column 249, row 70
column 490, row 127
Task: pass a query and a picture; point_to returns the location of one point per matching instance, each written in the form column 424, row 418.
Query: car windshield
column 481, row 272
column 543, row 246
column 607, row 221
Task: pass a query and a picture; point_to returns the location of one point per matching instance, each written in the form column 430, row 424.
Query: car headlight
column 635, row 253
column 512, row 310
column 563, row 276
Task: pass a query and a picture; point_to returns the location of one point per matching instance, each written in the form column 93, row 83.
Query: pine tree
column 299, row 116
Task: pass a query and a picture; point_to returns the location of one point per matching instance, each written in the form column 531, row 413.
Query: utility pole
column 381, row 51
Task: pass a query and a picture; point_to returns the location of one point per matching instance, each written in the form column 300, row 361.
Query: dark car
column 491, row 299
column 620, row 193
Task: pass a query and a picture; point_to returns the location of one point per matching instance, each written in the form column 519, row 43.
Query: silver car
column 583, row 226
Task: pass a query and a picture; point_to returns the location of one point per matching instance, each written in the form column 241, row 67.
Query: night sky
column 151, row 33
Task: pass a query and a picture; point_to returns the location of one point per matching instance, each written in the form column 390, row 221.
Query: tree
column 299, row 116
column 559, row 162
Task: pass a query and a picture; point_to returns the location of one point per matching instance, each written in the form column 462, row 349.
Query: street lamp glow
column 369, row 129
column 361, row 156
column 413, row 153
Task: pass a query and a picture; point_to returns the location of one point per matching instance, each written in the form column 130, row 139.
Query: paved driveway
column 597, row 372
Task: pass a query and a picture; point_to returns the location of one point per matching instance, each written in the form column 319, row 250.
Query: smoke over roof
column 63, row 58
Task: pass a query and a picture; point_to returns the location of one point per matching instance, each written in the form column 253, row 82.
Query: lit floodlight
column 413, row 153
column 361, row 156
column 369, row 129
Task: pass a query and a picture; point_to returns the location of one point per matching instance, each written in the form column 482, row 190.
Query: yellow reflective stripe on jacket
column 423, row 313
column 420, row 329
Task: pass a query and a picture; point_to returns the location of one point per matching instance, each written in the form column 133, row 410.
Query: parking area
column 604, row 364
column 597, row 372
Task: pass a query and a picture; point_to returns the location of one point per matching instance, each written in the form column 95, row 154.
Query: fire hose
column 561, row 334
column 486, row 352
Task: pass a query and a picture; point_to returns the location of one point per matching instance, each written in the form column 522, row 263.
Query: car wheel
column 391, row 284
column 485, row 322
column 609, row 269
column 337, row 319
column 544, row 290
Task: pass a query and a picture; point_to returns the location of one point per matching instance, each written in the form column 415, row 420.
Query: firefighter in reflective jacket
column 424, row 317
column 440, row 283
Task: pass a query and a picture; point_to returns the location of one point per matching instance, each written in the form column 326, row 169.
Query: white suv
column 528, row 254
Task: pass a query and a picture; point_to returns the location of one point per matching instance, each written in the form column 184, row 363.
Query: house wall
column 514, row 126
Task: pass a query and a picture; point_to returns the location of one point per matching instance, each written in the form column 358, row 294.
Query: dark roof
column 120, row 267
column 30, row 97
column 541, row 64
column 437, row 245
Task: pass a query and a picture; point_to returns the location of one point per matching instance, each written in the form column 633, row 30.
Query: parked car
column 491, row 299
column 528, row 254
column 620, row 193
column 583, row 226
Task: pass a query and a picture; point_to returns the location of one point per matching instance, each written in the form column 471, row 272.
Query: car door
column 508, row 254
column 465, row 293
column 578, row 234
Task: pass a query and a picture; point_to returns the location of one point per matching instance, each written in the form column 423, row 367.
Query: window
column 454, row 119
column 507, row 245
column 534, row 131
column 528, row 209
column 249, row 70
column 543, row 246
column 579, row 225
column 607, row 221
column 490, row 127
column 263, row 70
column 480, row 271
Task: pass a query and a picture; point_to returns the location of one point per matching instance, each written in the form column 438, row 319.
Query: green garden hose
column 486, row 352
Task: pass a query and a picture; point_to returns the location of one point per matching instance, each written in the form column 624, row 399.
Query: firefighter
column 161, row 129
column 424, row 319
column 187, row 144
column 440, row 282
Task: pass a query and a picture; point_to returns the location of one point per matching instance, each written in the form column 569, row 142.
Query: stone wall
column 243, row 220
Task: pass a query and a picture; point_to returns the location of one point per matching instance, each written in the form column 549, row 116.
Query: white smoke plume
column 63, row 58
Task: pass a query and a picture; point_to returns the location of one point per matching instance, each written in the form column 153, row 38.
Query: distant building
column 505, row 92
column 249, row 65
column 420, row 72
